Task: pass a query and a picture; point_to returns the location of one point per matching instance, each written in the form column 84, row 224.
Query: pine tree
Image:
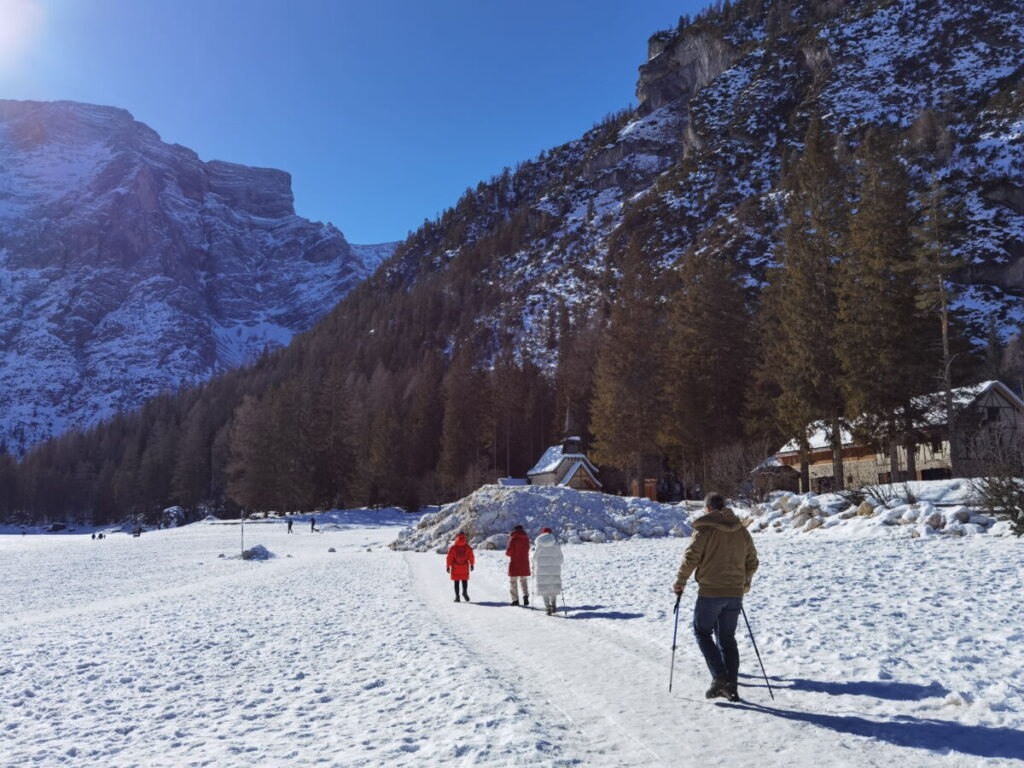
column 799, row 314
column 625, row 411
column 191, row 479
column 463, row 433
column 705, row 373
column 251, row 470
column 882, row 337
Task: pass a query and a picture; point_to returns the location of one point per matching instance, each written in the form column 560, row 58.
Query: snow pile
column 918, row 509
column 488, row 514
column 259, row 552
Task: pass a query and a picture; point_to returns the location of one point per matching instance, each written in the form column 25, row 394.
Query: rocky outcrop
column 129, row 266
column 680, row 67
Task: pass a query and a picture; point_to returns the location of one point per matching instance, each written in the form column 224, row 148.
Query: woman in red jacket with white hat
column 460, row 563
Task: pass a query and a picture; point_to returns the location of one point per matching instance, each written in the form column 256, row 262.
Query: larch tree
column 937, row 262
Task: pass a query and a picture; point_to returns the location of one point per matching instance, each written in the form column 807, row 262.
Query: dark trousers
column 465, row 588
column 714, row 624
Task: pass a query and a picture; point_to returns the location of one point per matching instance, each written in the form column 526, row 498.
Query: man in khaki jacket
column 722, row 553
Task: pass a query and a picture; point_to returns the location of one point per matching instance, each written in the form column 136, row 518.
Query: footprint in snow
column 379, row 683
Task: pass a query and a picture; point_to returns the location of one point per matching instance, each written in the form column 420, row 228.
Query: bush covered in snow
column 488, row 514
column 259, row 552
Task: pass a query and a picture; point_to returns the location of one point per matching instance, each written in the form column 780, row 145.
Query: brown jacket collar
column 725, row 520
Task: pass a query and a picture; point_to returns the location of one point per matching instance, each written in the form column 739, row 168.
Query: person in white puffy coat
column 546, row 564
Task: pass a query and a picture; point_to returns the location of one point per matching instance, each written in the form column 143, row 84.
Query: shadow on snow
column 879, row 689
column 933, row 735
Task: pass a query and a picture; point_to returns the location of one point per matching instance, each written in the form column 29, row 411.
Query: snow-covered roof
column 934, row 414
column 553, row 456
column 567, row 477
column 549, row 461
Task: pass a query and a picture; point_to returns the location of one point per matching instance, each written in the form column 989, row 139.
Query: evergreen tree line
column 402, row 396
column 854, row 325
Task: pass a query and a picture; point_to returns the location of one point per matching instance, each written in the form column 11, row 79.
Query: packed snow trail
column 157, row 652
column 611, row 686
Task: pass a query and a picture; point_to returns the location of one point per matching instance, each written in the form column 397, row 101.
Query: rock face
column 128, row 266
column 679, row 67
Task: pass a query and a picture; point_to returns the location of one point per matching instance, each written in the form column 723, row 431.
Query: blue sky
column 382, row 111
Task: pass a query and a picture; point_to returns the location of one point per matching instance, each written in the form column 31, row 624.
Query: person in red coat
column 518, row 554
column 460, row 563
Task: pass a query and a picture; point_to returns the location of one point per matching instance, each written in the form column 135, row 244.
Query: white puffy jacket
column 546, row 564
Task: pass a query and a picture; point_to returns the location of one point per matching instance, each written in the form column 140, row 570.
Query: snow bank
column 918, row 509
column 488, row 514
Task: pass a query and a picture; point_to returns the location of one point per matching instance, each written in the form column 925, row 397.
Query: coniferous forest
column 806, row 268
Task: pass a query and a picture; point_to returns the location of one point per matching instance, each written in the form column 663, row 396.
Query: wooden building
column 990, row 416
column 566, row 465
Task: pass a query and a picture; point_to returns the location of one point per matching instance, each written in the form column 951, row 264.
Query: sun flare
column 20, row 21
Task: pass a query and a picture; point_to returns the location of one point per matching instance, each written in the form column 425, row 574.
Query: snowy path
column 155, row 652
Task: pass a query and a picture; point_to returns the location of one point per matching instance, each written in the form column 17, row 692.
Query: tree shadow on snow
column 934, row 735
column 879, row 689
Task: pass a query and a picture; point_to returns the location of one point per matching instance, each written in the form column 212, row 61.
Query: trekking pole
column 754, row 643
column 675, row 632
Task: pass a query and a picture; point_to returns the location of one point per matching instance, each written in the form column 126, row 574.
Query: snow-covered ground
column 155, row 651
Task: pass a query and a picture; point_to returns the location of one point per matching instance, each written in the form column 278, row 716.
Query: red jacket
column 460, row 557
column 518, row 553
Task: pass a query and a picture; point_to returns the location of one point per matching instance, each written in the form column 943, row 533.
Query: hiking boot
column 515, row 602
column 731, row 692
column 465, row 597
column 551, row 611
column 717, row 690
column 456, row 598
column 526, row 599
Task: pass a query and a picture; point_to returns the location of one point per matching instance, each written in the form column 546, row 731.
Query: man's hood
column 546, row 540
column 724, row 520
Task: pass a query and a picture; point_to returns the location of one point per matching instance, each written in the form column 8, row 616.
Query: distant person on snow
column 312, row 525
column 547, row 568
column 460, row 562
column 518, row 554
column 289, row 525
column 722, row 553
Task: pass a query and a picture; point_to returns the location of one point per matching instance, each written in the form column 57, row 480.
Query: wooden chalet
column 565, row 465
column 989, row 415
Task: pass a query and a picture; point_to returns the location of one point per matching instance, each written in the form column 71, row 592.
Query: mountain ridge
column 130, row 267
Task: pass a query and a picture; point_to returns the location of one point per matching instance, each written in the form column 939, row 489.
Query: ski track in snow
column 156, row 652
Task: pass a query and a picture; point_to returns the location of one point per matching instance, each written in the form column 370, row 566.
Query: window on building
column 992, row 413
column 936, row 446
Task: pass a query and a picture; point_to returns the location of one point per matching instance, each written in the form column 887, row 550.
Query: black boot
column 515, row 602
column 731, row 692
column 457, row 597
column 465, row 595
column 717, row 690
column 526, row 599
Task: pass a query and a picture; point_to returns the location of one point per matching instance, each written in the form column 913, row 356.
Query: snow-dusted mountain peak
column 128, row 266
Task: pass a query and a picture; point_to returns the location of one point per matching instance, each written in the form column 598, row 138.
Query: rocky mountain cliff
column 128, row 266
column 724, row 101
